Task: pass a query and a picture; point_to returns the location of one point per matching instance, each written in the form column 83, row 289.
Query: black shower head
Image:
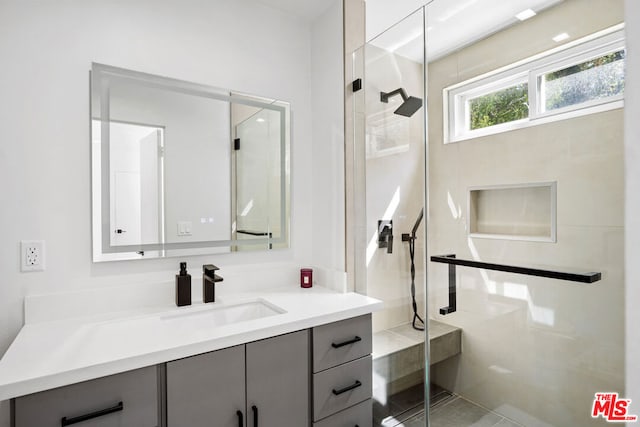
column 410, row 105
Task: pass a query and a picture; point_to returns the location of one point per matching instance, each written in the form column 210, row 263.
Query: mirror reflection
column 181, row 168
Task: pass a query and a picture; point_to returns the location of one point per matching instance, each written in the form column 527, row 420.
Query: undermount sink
column 190, row 323
column 226, row 314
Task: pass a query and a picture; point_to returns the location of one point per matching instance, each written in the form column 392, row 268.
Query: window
column 598, row 78
column 502, row 106
column 582, row 77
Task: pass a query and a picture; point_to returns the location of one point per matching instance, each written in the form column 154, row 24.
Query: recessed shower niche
column 513, row 212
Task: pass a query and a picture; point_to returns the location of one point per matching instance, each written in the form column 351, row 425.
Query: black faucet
column 385, row 235
column 209, row 280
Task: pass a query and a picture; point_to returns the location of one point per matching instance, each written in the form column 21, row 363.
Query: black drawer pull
column 343, row 343
column 67, row 422
column 347, row 388
column 240, row 419
column 254, row 408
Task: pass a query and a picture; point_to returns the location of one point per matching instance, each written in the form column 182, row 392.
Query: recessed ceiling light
column 260, row 120
column 525, row 14
column 560, row 37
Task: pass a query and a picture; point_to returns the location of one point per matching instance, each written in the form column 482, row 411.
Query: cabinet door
column 206, row 390
column 278, row 371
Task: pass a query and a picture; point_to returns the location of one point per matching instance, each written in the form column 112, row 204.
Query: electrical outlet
column 32, row 255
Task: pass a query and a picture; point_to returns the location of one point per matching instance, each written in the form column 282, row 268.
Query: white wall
column 632, row 199
column 328, row 140
column 47, row 49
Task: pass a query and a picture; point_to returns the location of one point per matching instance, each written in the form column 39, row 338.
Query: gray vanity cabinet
column 271, row 376
column 207, row 389
column 321, row 375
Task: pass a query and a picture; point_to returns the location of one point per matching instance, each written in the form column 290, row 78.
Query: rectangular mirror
column 180, row 168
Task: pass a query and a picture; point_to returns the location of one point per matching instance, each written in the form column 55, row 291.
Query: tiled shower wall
column 534, row 349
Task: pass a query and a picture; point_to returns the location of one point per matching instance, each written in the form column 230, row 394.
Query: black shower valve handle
column 385, row 234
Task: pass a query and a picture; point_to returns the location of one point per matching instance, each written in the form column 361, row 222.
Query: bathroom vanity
column 287, row 358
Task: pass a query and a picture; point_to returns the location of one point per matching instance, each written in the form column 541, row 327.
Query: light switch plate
column 184, row 228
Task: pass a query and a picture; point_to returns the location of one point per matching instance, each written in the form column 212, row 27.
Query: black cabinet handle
column 342, row 344
column 254, row 408
column 347, row 388
column 67, row 422
column 240, row 419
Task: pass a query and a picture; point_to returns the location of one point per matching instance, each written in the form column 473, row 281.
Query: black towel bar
column 551, row 274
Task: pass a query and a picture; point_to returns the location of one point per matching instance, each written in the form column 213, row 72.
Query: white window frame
column 530, row 70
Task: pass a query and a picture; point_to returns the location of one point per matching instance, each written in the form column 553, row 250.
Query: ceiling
column 451, row 24
column 309, row 10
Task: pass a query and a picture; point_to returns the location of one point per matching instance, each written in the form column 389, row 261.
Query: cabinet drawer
column 360, row 415
column 341, row 387
column 341, row 342
column 100, row 398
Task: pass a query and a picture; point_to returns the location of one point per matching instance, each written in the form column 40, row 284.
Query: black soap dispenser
column 183, row 286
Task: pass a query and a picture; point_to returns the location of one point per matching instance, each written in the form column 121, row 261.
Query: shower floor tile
column 460, row 412
column 407, row 404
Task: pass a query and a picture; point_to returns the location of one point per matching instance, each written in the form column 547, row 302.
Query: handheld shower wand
column 411, row 238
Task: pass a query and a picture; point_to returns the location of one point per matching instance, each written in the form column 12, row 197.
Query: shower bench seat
column 398, row 354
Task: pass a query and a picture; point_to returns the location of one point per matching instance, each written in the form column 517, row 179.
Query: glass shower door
column 389, row 198
column 530, row 203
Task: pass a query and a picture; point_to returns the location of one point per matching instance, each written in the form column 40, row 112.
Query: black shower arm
column 384, row 97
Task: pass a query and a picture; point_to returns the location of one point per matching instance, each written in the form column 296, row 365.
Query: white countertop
column 56, row 353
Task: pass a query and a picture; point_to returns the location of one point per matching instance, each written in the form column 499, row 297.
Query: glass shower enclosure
column 505, row 129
